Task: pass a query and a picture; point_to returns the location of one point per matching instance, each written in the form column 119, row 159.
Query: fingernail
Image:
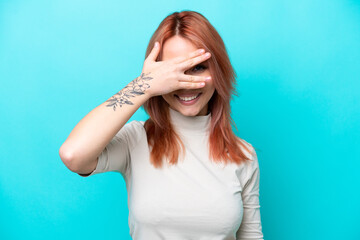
column 208, row 78
column 156, row 44
column 201, row 50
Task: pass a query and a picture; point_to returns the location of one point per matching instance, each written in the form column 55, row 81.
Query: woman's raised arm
column 90, row 136
column 88, row 139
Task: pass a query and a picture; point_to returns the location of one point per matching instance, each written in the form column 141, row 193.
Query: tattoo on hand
column 134, row 88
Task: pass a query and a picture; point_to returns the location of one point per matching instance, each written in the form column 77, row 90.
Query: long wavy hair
column 224, row 145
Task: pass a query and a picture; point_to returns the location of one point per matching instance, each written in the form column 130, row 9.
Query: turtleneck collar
column 192, row 125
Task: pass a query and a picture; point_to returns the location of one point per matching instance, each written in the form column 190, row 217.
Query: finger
column 191, row 78
column 194, row 61
column 154, row 52
column 191, row 85
column 190, row 55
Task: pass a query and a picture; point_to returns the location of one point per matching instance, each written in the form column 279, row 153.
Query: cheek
column 208, row 73
column 210, row 89
column 167, row 97
column 210, row 85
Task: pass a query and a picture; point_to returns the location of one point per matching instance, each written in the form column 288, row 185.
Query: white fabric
column 196, row 199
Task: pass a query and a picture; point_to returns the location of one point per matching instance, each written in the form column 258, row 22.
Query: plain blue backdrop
column 298, row 81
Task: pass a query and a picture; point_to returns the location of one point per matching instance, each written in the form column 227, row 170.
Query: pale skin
column 89, row 137
column 175, row 47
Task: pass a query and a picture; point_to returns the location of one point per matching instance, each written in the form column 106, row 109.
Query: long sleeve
column 251, row 227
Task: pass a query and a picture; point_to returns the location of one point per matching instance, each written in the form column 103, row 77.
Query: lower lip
column 188, row 103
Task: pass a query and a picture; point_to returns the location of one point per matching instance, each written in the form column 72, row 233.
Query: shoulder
column 249, row 150
column 132, row 132
column 133, row 126
column 250, row 169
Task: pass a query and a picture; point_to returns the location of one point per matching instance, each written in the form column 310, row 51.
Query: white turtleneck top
column 193, row 200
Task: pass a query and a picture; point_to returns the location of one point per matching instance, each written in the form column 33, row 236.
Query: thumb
column 154, row 52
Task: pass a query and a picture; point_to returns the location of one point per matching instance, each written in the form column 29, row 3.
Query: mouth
column 188, row 99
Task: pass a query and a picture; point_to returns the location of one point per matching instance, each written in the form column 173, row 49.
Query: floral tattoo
column 134, row 88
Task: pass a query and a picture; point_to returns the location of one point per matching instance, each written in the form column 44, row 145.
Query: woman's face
column 177, row 46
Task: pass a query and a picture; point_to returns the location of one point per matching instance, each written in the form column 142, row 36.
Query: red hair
column 224, row 145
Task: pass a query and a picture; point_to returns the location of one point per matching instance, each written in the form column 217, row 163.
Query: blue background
column 298, row 81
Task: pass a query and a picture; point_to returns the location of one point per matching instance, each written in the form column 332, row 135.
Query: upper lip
column 187, row 94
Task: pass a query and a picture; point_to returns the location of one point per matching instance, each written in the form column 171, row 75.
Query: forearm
column 90, row 136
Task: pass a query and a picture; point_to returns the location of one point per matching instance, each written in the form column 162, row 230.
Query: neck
column 193, row 125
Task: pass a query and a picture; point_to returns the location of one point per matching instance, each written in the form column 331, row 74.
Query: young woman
column 187, row 175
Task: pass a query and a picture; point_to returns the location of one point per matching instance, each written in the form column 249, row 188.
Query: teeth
column 188, row 98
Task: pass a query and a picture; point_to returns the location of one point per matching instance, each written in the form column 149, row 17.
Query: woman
column 212, row 191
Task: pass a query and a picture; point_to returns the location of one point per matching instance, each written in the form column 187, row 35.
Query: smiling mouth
column 188, row 98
